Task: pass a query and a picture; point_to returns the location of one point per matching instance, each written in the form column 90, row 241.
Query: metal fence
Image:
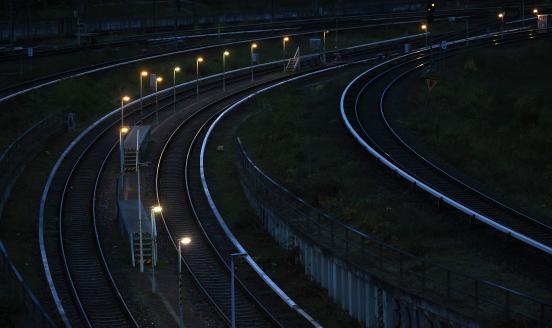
column 418, row 276
column 12, row 163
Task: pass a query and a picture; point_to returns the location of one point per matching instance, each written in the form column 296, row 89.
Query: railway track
column 83, row 288
column 363, row 108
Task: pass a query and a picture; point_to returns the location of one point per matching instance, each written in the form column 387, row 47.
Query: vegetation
column 499, row 126
column 296, row 135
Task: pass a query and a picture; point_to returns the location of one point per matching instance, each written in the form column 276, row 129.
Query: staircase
column 130, row 160
column 293, row 63
column 146, row 247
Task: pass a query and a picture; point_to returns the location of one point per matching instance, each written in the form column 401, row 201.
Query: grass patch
column 296, row 135
column 499, row 126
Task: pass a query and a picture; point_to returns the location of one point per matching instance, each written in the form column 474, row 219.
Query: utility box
column 544, row 23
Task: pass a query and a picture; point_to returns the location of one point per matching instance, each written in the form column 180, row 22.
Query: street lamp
column 199, row 60
column 232, row 290
column 122, row 131
column 157, row 81
column 253, row 47
column 424, row 28
column 284, row 40
column 224, row 55
column 124, row 99
column 184, row 241
column 154, row 210
column 501, row 16
column 324, row 45
column 175, row 70
column 143, row 74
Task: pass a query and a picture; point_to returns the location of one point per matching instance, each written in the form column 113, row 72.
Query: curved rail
column 535, row 233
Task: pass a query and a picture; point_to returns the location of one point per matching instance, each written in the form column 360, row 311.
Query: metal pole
column 122, row 155
column 232, row 295
column 156, row 104
column 284, row 53
column 174, row 90
column 252, row 64
column 180, row 308
column 139, row 198
column 197, row 79
column 153, row 250
column 141, row 94
column 122, row 112
column 324, row 48
column 223, row 72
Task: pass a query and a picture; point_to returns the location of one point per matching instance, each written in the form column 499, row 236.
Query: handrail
column 351, row 232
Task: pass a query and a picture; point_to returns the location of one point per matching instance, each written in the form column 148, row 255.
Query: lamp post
column 184, row 241
column 199, row 60
column 122, row 131
column 284, row 41
column 324, row 46
column 253, row 47
column 124, row 99
column 501, row 16
column 424, row 28
column 154, row 210
column 232, row 288
column 175, row 70
column 157, row 81
column 224, row 55
column 143, row 74
column 139, row 198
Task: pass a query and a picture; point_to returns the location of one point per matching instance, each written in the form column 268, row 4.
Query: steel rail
column 424, row 186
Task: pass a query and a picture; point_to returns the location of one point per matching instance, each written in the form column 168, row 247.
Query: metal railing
column 460, row 292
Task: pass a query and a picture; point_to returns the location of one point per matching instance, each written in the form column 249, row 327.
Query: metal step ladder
column 293, row 63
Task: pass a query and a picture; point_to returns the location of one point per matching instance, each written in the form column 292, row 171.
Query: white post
column 141, row 94
column 122, row 155
column 174, row 90
column 180, row 308
column 197, row 78
column 139, row 198
column 224, row 71
column 284, row 53
column 156, row 104
column 153, row 250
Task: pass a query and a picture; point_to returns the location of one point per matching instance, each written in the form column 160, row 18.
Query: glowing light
column 157, row 209
column 159, row 79
column 144, row 73
column 177, row 69
column 424, row 27
column 124, row 130
column 200, row 59
column 126, row 98
column 185, row 241
column 226, row 53
column 286, row 39
column 254, row 46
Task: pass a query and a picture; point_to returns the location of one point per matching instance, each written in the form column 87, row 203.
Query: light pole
column 154, row 210
column 324, row 46
column 232, row 288
column 139, row 198
column 199, row 60
column 224, row 55
column 157, row 81
column 124, row 99
column 175, row 70
column 253, row 47
column 424, row 28
column 184, row 241
column 143, row 74
column 284, row 40
column 122, row 131
column 501, row 16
